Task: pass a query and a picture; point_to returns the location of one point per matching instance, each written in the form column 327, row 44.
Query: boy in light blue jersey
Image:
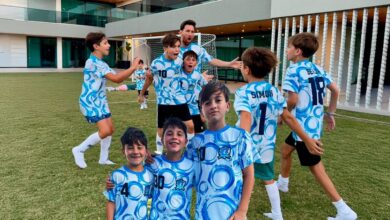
column 187, row 34
column 223, row 158
column 167, row 78
column 173, row 175
column 93, row 99
column 132, row 183
column 258, row 105
column 193, row 85
column 140, row 76
column 306, row 85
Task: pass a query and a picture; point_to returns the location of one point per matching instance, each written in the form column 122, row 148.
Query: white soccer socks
column 274, row 198
column 159, row 145
column 344, row 212
column 145, row 105
column 282, row 183
column 104, row 151
column 78, row 151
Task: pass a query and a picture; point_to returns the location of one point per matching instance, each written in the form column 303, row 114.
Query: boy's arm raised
column 248, row 174
column 121, row 76
column 314, row 146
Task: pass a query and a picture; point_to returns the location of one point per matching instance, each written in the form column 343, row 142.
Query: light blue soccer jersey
column 140, row 79
column 220, row 157
column 193, row 85
column 310, row 82
column 130, row 193
column 93, row 99
column 168, row 81
column 203, row 56
column 265, row 103
column 173, row 183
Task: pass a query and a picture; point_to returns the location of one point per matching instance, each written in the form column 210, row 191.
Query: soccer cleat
column 107, row 162
column 79, row 158
column 273, row 216
column 283, row 187
column 349, row 215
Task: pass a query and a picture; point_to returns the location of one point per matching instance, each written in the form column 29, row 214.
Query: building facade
column 354, row 35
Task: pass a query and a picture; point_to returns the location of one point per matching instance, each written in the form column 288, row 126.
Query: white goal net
column 149, row 48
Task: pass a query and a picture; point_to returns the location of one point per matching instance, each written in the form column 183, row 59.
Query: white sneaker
column 79, row 158
column 110, row 89
column 141, row 107
column 283, row 187
column 145, row 106
column 273, row 216
column 107, row 162
column 349, row 215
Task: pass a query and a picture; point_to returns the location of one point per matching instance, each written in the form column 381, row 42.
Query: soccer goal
column 149, row 48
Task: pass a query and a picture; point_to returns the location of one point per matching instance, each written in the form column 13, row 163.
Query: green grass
column 41, row 122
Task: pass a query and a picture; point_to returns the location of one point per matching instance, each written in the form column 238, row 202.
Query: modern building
column 354, row 35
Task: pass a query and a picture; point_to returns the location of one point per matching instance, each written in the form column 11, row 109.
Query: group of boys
column 221, row 161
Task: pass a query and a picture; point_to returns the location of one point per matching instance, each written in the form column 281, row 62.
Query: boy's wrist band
column 330, row 113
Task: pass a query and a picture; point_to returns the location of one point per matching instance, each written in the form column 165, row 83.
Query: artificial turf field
column 41, row 122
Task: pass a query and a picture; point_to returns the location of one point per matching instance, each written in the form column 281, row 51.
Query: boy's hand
column 235, row 64
column 280, row 121
column 208, row 78
column 330, row 121
column 314, row 147
column 135, row 63
column 149, row 157
column 109, row 184
column 238, row 215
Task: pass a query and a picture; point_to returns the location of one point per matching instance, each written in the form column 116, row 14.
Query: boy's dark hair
column 213, row 87
column 174, row 122
column 307, row 42
column 187, row 22
column 141, row 62
column 133, row 136
column 93, row 38
column 190, row 53
column 170, row 40
column 259, row 60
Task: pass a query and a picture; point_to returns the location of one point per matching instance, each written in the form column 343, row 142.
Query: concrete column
column 58, row 10
column 59, row 52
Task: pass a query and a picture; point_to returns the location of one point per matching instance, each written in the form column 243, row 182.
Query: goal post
column 149, row 48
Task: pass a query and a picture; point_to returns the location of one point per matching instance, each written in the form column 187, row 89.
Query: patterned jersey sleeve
column 291, row 83
column 153, row 68
column 190, row 151
column 102, row 69
column 110, row 194
column 153, row 167
column 282, row 104
column 246, row 150
column 328, row 80
column 241, row 102
column 204, row 56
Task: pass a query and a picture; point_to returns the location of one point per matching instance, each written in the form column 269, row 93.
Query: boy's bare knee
column 286, row 151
